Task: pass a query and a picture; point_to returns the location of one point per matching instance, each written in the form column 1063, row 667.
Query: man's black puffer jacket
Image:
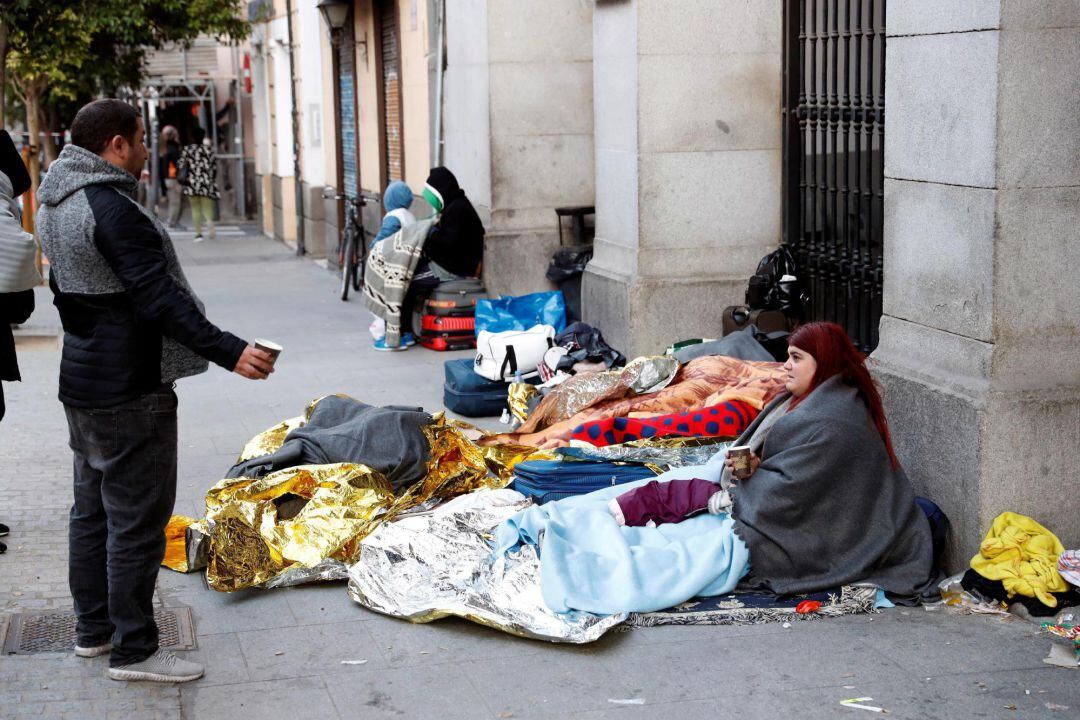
column 131, row 320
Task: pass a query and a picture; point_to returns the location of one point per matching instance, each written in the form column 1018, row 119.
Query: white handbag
column 500, row 355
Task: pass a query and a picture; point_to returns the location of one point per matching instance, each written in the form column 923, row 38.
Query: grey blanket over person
column 389, row 269
column 826, row 507
column 387, row 439
column 740, row 344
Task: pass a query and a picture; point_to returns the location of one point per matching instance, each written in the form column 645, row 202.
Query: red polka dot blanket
column 728, row 419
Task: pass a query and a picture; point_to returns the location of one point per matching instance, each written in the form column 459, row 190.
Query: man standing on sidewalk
column 132, row 327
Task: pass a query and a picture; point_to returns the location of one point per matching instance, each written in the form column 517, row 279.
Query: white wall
column 278, row 45
column 466, row 121
column 310, row 35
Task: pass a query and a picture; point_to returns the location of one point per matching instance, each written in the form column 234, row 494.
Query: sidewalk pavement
column 278, row 653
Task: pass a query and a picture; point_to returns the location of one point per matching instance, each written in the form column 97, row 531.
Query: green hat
column 434, row 199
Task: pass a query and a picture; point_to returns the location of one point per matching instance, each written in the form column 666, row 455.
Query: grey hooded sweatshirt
column 131, row 320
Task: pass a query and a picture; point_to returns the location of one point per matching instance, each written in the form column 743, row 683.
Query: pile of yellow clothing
column 1023, row 555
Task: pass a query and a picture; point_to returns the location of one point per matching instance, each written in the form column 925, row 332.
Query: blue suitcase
column 468, row 394
column 547, row 480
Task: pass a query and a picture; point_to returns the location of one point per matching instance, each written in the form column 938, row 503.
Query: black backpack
column 766, row 290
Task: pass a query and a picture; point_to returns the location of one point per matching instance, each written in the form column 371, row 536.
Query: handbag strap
column 511, row 360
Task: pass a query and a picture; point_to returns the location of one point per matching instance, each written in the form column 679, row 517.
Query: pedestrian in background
column 18, row 273
column 132, row 327
column 168, row 167
column 198, row 175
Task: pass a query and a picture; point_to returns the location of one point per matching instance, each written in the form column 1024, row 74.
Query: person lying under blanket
column 827, row 504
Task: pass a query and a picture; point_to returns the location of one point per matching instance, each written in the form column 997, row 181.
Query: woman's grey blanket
column 389, row 270
column 388, row 439
column 826, row 507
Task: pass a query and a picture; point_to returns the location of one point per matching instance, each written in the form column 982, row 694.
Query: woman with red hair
column 827, row 502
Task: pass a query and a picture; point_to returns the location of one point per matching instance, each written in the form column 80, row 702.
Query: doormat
column 54, row 632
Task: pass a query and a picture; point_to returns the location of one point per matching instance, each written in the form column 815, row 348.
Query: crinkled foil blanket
column 431, row 565
column 305, row 524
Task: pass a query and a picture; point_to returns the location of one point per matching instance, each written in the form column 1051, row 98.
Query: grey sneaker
column 92, row 651
column 162, row 666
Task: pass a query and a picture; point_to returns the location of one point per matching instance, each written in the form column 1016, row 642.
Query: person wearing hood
column 456, row 244
column 454, row 249
column 397, row 199
column 133, row 326
column 18, row 273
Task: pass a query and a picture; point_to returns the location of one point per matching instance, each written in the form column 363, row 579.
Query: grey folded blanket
column 826, row 507
column 388, row 439
column 740, row 344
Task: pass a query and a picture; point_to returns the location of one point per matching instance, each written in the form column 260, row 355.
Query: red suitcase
column 443, row 333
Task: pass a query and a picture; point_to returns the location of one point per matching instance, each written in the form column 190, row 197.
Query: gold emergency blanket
column 176, row 543
column 436, row 564
column 304, row 524
column 518, row 396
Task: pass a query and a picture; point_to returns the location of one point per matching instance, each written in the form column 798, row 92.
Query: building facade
column 921, row 160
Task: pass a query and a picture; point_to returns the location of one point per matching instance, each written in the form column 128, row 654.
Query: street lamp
column 335, row 12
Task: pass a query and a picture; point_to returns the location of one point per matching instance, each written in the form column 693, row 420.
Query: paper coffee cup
column 268, row 346
column 740, row 456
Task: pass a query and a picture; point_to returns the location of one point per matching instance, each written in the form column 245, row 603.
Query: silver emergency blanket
column 435, row 564
column 663, row 454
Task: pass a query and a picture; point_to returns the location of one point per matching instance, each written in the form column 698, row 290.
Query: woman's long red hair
column 829, row 345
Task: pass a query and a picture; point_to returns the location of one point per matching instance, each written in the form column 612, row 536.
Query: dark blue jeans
column 125, row 487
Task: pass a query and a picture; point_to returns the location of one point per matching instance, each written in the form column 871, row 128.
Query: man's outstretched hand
column 254, row 364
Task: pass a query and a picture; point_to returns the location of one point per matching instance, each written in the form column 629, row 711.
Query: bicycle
column 352, row 252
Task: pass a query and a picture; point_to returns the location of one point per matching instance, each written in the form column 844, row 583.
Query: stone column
column 688, row 149
column 519, row 127
column 979, row 356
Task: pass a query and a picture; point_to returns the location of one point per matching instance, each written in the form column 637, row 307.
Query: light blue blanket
column 589, row 562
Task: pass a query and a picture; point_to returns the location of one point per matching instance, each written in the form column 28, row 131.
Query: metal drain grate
column 54, row 632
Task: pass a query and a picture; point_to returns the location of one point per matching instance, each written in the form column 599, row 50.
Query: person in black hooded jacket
column 17, row 302
column 456, row 243
column 16, row 298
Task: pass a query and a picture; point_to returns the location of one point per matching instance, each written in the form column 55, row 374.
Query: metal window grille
column 834, row 163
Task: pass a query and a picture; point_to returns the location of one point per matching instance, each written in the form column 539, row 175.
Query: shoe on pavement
column 92, row 650
column 381, row 345
column 408, row 339
column 4, row 529
column 199, row 238
column 162, row 666
column 3, row 548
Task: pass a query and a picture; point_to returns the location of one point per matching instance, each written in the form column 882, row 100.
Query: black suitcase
column 468, row 394
column 455, row 298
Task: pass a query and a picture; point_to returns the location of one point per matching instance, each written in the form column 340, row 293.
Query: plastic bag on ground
column 522, row 312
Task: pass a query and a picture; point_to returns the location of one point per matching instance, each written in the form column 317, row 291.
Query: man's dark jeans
column 125, row 486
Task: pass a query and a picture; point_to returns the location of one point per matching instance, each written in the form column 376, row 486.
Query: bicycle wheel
column 348, row 264
column 361, row 263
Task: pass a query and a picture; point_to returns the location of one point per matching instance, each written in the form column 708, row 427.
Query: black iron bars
column 834, row 111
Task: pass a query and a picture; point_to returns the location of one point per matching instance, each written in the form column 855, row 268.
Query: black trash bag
column 586, row 344
column 767, row 290
column 567, row 262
